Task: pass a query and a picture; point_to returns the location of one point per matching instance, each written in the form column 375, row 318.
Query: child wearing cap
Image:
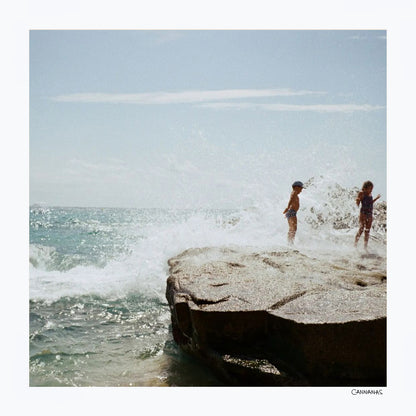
column 366, row 212
column 292, row 209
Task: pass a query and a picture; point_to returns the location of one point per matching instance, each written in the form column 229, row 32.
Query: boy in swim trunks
column 366, row 212
column 292, row 209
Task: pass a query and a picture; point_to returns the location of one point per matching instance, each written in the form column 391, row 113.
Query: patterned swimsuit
column 367, row 205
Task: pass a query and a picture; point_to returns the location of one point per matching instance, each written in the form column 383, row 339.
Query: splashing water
column 97, row 278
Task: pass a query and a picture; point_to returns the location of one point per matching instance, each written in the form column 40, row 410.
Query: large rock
column 281, row 317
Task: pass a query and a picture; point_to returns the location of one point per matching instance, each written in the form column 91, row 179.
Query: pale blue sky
column 202, row 118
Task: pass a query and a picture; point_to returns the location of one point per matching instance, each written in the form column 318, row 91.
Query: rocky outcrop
column 281, row 317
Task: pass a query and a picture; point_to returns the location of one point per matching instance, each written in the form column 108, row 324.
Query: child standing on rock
column 366, row 212
column 292, row 209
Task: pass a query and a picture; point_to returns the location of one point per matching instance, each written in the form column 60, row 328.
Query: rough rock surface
column 281, row 317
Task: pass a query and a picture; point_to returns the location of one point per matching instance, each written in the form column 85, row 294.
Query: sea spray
column 98, row 275
column 77, row 251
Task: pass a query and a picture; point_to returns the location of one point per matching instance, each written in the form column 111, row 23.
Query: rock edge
column 281, row 318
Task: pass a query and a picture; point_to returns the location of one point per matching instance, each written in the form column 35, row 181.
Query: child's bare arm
column 377, row 197
column 289, row 204
column 359, row 198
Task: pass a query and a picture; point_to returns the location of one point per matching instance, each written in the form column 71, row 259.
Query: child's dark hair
column 297, row 183
column 367, row 184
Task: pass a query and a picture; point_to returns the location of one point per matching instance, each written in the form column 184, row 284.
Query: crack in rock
column 203, row 302
column 288, row 299
column 272, row 264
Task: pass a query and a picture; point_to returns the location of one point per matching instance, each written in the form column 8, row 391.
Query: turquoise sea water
column 98, row 313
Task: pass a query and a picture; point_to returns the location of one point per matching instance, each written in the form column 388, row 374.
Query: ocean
column 98, row 312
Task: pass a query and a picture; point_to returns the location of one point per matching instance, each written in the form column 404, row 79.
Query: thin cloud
column 182, row 97
column 319, row 108
column 220, row 100
column 357, row 37
column 366, row 37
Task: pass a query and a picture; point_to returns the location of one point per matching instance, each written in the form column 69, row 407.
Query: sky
column 202, row 118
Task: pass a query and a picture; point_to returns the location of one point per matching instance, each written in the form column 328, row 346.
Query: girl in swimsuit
column 366, row 212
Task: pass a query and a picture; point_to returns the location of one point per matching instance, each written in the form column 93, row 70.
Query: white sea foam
column 327, row 222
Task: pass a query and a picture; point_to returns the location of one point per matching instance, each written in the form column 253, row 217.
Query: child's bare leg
column 367, row 231
column 360, row 230
column 293, row 226
column 357, row 237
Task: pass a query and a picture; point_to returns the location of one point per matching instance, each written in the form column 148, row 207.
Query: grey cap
column 298, row 183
